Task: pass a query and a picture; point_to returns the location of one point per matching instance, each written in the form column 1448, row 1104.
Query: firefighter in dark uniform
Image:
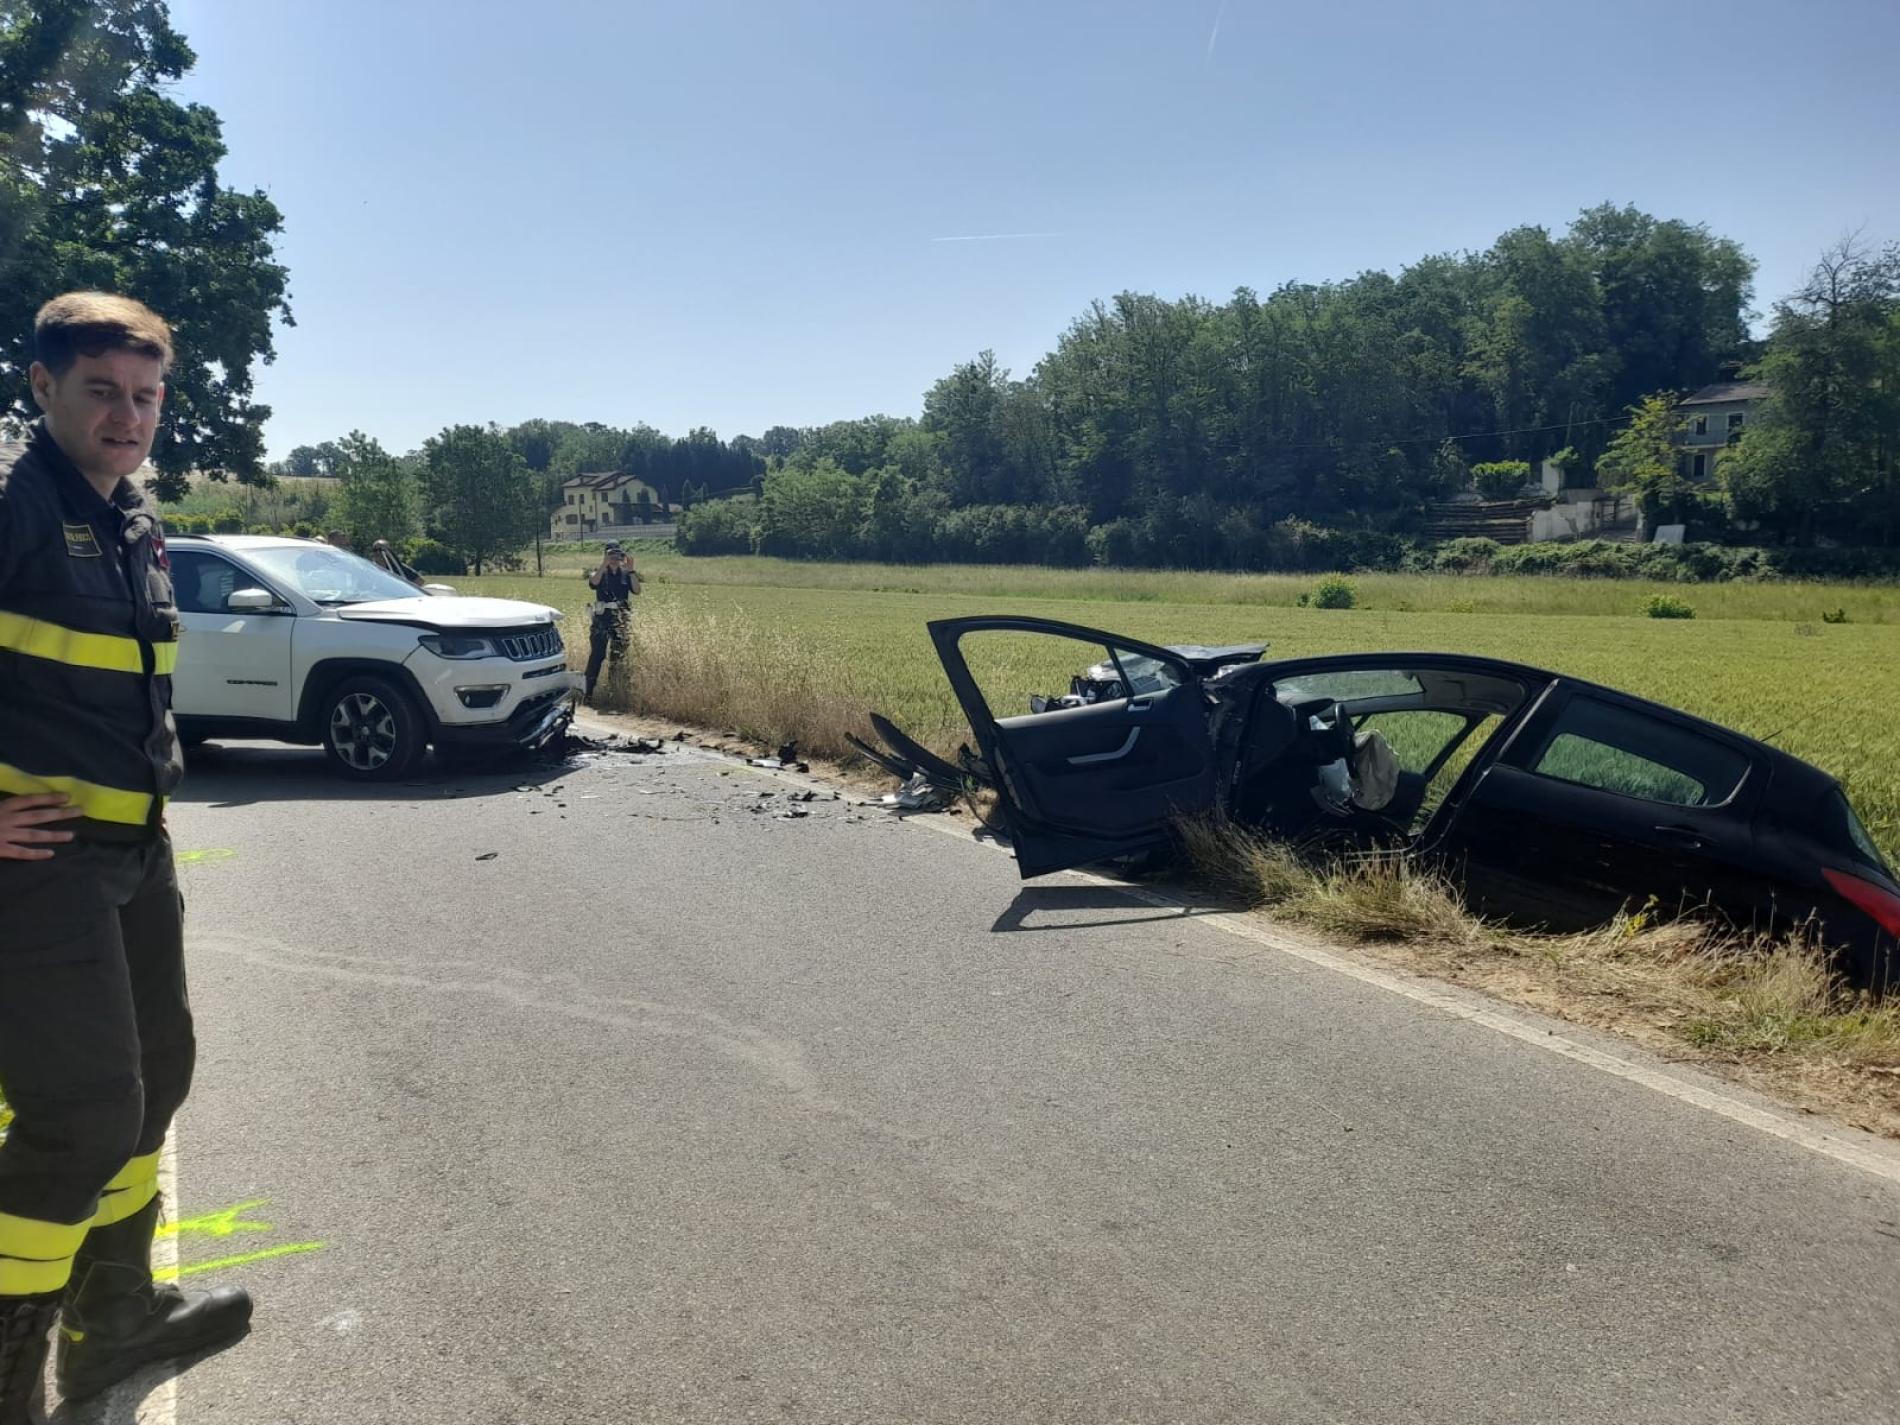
column 96, row 1046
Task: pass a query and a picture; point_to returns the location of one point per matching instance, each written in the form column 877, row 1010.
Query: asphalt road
column 677, row 1108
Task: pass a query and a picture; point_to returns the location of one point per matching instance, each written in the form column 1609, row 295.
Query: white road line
column 161, row 1406
column 1849, row 1146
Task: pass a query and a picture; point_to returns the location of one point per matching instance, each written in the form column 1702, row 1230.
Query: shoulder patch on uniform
column 81, row 542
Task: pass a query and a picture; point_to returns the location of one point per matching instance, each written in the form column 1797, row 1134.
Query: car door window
column 202, row 583
column 1021, row 672
column 1613, row 749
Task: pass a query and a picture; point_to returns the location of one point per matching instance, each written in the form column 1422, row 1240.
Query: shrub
column 720, row 527
column 1334, row 592
column 303, row 529
column 1834, row 616
column 1501, row 479
column 1013, row 534
column 227, row 522
column 1294, row 544
column 1119, row 544
column 1667, row 606
column 1470, row 555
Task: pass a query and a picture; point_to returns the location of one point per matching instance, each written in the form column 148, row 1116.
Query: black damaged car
column 1555, row 802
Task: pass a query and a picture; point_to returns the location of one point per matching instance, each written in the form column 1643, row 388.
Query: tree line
column 1311, row 427
column 1194, row 433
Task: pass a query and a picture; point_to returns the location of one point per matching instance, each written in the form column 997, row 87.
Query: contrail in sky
column 1214, row 34
column 993, row 237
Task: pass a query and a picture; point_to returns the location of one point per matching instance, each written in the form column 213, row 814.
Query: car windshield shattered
column 329, row 576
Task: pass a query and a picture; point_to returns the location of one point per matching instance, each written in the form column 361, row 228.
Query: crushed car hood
column 450, row 611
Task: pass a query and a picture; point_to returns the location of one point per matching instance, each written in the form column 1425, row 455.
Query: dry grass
column 1770, row 1013
column 723, row 671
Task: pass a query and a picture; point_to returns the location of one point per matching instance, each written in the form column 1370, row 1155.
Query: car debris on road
column 1552, row 801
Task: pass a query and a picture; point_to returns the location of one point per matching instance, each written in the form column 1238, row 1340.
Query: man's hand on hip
column 22, row 819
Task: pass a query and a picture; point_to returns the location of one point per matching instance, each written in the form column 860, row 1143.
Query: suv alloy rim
column 363, row 731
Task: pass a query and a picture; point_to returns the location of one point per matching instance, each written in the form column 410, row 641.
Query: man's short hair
column 93, row 323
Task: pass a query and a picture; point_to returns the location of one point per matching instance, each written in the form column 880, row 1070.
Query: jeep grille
column 525, row 645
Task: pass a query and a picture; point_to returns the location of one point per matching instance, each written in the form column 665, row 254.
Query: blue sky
column 731, row 214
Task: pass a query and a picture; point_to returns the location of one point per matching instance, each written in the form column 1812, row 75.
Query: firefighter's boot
column 24, row 1323
column 116, row 1320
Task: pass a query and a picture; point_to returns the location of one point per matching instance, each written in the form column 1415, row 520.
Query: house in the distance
column 1714, row 417
column 605, row 500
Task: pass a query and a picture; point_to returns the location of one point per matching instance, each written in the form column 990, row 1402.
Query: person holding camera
column 614, row 583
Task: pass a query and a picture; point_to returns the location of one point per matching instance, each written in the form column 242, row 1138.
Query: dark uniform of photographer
column 96, row 1043
column 614, row 583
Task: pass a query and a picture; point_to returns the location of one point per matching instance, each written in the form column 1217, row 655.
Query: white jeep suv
column 296, row 641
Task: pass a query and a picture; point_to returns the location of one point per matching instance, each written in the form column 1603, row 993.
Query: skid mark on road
column 778, row 1061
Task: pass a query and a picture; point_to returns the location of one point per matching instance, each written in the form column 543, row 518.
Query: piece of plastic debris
column 918, row 794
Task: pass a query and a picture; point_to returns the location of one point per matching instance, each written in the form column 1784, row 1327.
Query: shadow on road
column 1063, row 903
column 246, row 773
column 126, row 1403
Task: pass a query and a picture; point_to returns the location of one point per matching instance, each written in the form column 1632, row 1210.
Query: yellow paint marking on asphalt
column 222, row 1223
column 200, row 858
column 192, row 1269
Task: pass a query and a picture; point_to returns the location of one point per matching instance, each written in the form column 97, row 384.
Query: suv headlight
column 456, row 645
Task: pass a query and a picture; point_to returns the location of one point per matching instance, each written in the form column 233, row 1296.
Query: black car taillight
column 1877, row 901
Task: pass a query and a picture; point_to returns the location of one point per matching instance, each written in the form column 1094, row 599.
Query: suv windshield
column 330, row 576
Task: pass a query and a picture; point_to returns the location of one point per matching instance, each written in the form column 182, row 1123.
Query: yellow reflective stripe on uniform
column 135, row 1186
column 112, row 652
column 37, row 638
column 36, row 1256
column 34, row 1278
column 101, row 803
column 39, row 1241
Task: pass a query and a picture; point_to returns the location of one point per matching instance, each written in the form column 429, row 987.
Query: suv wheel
column 371, row 729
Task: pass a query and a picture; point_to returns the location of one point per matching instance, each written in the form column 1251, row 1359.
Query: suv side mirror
column 251, row 601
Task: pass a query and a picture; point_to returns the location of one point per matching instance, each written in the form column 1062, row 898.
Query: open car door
column 1098, row 772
